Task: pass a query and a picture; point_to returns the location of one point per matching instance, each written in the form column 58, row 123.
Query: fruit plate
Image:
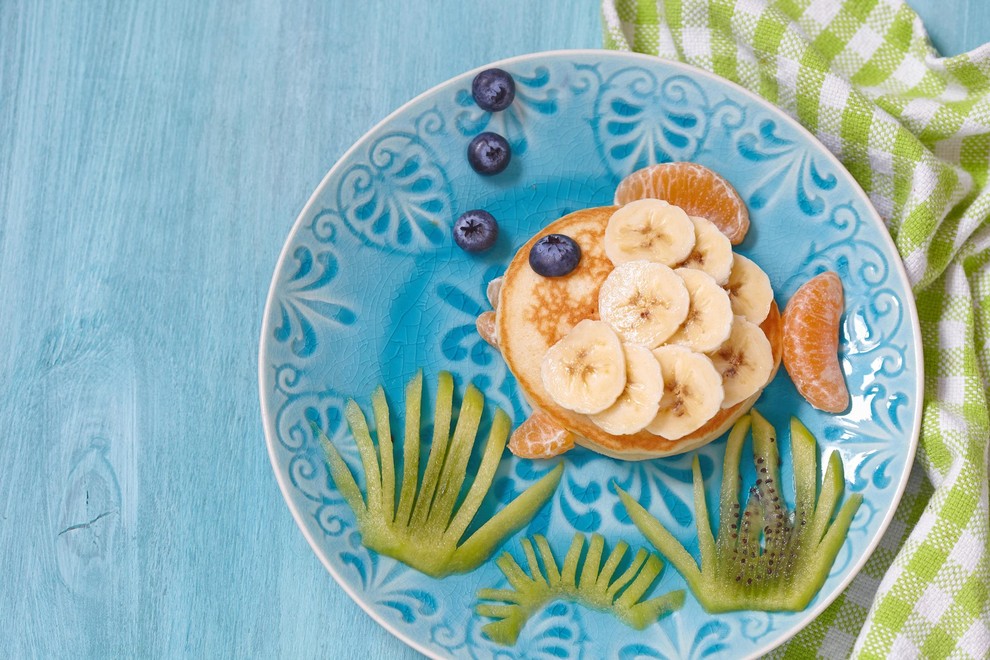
column 370, row 287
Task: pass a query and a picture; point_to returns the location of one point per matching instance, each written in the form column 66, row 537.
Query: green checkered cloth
column 914, row 129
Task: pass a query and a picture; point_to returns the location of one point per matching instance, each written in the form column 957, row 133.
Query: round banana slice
column 649, row 229
column 749, row 290
column 712, row 250
column 644, row 302
column 638, row 404
column 745, row 361
column 709, row 318
column 586, row 370
column 692, row 392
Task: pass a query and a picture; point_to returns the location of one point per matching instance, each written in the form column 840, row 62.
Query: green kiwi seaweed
column 798, row 547
column 595, row 585
column 424, row 529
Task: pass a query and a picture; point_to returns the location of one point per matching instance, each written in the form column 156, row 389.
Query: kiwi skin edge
column 737, row 571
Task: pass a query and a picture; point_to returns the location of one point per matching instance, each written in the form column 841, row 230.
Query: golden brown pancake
column 534, row 312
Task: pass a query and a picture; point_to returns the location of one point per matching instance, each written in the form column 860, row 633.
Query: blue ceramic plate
column 370, row 287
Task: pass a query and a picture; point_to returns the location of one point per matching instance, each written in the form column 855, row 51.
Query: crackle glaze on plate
column 370, row 287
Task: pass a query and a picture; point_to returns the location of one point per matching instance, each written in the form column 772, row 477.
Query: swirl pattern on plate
column 399, row 196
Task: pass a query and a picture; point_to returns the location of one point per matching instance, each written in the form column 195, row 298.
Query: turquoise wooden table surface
column 152, row 159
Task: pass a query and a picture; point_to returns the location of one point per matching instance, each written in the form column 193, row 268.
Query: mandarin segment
column 811, row 342
column 487, row 328
column 540, row 437
column 695, row 188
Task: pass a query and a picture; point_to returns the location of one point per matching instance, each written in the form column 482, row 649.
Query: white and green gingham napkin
column 914, row 129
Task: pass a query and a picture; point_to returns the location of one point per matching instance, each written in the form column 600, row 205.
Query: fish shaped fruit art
column 637, row 331
column 659, row 336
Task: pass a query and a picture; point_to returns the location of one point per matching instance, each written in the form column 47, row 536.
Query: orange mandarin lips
column 696, row 189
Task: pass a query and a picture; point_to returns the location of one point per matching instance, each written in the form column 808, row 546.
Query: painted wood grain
column 152, row 159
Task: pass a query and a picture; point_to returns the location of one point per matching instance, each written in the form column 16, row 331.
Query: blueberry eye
column 554, row 255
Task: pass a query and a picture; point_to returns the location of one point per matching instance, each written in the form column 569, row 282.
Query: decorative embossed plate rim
column 268, row 375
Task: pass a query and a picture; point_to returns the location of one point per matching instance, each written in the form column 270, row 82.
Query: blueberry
column 554, row 255
column 489, row 153
column 493, row 90
column 475, row 231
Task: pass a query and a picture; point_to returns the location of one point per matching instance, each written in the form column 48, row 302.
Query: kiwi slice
column 767, row 556
column 424, row 529
column 595, row 585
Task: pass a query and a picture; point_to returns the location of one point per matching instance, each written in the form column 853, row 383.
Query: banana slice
column 644, row 302
column 649, row 229
column 712, row 251
column 586, row 370
column 745, row 361
column 709, row 318
column 639, row 402
column 692, row 392
column 492, row 290
column 749, row 290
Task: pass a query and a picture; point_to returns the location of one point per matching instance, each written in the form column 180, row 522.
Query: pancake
column 535, row 312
